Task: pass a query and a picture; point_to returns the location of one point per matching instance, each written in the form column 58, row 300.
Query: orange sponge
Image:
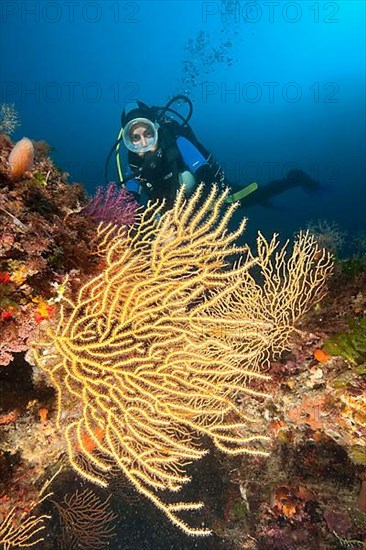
column 21, row 158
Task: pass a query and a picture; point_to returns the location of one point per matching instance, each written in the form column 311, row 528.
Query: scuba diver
column 164, row 153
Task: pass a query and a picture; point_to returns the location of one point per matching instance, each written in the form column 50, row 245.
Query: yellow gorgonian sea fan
column 152, row 353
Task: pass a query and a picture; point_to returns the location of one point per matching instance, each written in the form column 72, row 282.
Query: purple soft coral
column 112, row 205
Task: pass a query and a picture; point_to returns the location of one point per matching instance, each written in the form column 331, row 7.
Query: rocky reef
column 310, row 492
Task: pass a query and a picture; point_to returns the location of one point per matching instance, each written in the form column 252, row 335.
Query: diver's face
column 141, row 135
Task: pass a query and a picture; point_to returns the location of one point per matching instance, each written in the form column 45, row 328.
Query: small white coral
column 327, row 234
column 9, row 119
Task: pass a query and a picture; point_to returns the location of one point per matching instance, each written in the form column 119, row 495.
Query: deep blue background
column 297, row 69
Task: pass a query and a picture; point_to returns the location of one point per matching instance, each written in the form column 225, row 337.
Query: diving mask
column 140, row 135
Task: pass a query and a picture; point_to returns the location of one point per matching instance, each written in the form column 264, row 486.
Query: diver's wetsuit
column 181, row 158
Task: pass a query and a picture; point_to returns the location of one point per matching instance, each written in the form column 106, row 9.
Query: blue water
column 274, row 84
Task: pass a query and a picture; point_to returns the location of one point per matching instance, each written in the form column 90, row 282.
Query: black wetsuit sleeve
column 210, row 174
